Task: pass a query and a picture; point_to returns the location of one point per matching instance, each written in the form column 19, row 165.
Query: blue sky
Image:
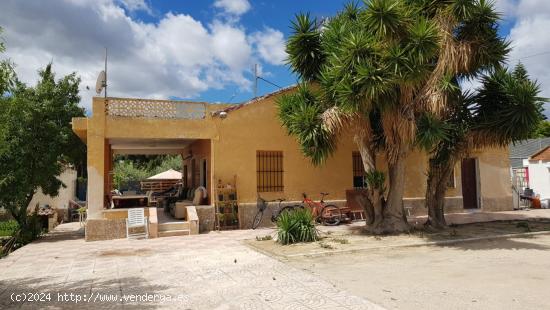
column 199, row 50
column 272, row 14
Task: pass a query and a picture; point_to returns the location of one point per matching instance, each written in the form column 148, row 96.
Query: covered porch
column 146, row 127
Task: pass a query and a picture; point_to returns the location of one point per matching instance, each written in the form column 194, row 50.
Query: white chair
column 136, row 218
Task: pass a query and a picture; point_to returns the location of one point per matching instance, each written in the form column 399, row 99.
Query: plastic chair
column 136, row 218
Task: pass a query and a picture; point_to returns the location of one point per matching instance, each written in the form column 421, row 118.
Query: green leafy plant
column 524, row 225
column 134, row 168
column 296, row 226
column 8, row 228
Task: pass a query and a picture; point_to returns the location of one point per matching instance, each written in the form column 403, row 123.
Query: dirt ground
column 354, row 239
column 492, row 274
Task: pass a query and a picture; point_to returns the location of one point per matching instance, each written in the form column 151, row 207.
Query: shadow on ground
column 56, row 236
column 77, row 294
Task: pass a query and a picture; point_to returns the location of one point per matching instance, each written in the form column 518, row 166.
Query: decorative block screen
column 155, row 109
column 269, row 171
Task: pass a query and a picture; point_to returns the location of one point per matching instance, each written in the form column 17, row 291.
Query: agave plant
column 295, row 226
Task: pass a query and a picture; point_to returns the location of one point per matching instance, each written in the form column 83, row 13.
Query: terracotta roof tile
column 543, row 154
column 257, row 99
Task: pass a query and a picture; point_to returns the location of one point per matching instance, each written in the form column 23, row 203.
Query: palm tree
column 506, row 108
column 374, row 69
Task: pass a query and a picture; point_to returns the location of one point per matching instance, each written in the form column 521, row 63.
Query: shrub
column 126, row 172
column 296, row 226
column 7, row 228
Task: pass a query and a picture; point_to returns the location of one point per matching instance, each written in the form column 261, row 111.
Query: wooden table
column 129, row 201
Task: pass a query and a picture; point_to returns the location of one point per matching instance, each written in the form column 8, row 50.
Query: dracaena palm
column 388, row 58
column 365, row 64
column 506, row 108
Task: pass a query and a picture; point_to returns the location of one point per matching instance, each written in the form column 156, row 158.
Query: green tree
column 506, row 108
column 542, row 130
column 132, row 168
column 38, row 142
column 372, row 71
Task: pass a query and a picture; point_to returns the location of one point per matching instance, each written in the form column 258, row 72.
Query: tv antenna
column 101, row 83
column 256, row 80
column 257, row 77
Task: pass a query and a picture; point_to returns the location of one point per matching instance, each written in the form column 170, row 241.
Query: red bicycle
column 329, row 215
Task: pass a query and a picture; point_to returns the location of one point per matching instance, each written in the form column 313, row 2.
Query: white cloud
column 233, row 7
column 506, row 7
column 136, row 5
column 176, row 57
column 270, row 44
column 529, row 37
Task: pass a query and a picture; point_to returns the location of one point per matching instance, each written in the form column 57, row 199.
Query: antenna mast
column 255, row 80
column 105, row 84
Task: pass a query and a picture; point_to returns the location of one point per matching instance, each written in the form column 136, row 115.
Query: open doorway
column 203, row 173
column 470, row 183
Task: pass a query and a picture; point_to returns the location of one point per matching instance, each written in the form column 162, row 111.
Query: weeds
column 341, row 240
column 264, row 238
column 524, row 225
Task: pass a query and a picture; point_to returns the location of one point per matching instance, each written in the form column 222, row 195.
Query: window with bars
column 269, row 171
column 358, row 171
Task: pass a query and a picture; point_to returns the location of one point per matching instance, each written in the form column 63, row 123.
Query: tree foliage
column 542, row 130
column 37, row 140
column 130, row 169
column 389, row 73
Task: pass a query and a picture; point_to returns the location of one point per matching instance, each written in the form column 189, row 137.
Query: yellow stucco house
column 246, row 143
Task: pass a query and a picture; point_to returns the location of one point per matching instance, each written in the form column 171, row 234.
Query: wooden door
column 469, row 183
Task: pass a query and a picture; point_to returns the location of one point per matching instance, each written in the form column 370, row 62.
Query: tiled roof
column 257, row 99
column 543, row 154
column 525, row 149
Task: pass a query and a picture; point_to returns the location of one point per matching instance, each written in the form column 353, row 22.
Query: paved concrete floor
column 498, row 274
column 212, row 271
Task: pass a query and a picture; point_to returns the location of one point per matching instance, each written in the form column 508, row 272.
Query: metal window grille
column 520, row 178
column 358, row 171
column 269, row 171
column 451, row 181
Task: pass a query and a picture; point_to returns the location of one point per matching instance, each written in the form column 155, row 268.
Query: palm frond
column 385, row 18
column 301, row 114
column 507, row 108
column 305, row 54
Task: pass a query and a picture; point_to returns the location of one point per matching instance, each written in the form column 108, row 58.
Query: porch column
column 96, row 159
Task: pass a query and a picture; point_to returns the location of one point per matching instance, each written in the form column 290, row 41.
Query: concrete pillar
column 96, row 159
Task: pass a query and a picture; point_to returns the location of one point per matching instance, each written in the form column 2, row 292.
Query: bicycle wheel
column 331, row 215
column 257, row 219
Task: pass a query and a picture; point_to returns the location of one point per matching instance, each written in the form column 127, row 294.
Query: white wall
column 539, row 178
column 61, row 201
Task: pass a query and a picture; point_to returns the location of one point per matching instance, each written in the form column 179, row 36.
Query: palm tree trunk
column 438, row 175
column 394, row 215
column 372, row 199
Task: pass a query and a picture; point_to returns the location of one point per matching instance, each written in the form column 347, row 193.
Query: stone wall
column 416, row 207
column 207, row 218
column 247, row 212
column 105, row 229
